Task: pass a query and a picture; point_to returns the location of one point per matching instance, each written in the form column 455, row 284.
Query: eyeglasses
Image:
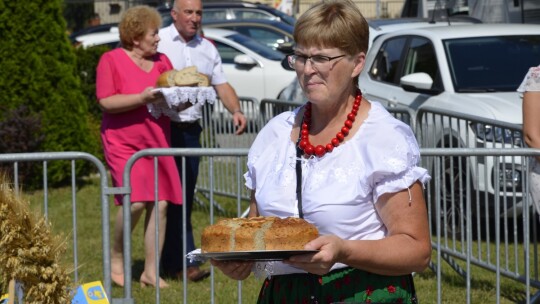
column 318, row 62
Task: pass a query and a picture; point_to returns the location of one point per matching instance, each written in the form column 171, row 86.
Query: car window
column 265, row 36
column 420, row 57
column 386, row 64
column 226, row 52
column 214, row 14
column 284, row 17
column 244, row 13
column 480, row 64
column 257, row 47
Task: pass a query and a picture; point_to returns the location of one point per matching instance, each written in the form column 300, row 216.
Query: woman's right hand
column 150, row 96
column 238, row 270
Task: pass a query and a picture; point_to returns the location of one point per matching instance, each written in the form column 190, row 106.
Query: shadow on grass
column 137, row 269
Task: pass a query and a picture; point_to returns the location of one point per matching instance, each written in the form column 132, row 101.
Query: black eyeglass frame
column 291, row 58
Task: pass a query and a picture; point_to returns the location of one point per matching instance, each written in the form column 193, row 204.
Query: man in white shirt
column 185, row 47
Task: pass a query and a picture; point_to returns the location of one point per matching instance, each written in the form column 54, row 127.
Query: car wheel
column 452, row 194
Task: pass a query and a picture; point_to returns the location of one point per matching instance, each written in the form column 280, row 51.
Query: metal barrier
column 219, row 132
column 47, row 157
column 489, row 177
column 218, row 128
column 215, row 158
column 501, row 243
column 463, row 218
column 271, row 107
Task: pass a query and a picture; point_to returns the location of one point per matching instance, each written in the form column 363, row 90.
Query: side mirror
column 244, row 60
column 285, row 64
column 286, row 47
column 417, row 80
column 418, row 83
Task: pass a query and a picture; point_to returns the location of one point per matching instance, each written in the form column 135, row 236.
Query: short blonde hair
column 333, row 24
column 135, row 22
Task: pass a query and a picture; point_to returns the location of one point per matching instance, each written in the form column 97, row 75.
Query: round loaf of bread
column 166, row 79
column 257, row 233
column 186, row 77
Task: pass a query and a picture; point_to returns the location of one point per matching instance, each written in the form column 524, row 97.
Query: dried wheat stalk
column 29, row 253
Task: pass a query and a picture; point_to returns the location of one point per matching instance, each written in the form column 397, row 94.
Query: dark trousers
column 183, row 135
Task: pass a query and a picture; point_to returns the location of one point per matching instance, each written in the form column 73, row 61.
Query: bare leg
column 117, row 252
column 149, row 275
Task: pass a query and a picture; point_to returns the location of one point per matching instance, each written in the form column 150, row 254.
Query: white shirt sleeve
column 531, row 82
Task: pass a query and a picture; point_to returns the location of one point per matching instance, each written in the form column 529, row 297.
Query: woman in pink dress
column 124, row 82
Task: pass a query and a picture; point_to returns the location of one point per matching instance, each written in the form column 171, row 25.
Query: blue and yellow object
column 90, row 293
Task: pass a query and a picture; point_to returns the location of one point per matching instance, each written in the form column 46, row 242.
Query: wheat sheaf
column 29, row 254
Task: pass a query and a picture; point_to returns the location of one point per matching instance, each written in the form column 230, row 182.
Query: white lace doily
column 176, row 97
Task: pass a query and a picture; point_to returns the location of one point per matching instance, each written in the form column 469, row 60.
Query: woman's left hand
column 320, row 263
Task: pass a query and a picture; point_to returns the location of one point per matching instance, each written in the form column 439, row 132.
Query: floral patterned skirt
column 346, row 285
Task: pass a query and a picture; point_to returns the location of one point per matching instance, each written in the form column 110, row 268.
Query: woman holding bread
column 124, row 82
column 344, row 164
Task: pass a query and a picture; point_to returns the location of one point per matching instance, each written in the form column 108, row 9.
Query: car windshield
column 257, row 47
column 482, row 64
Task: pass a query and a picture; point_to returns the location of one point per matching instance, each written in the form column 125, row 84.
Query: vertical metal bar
column 16, row 178
column 496, row 185
column 45, row 192
column 184, row 228
column 238, row 212
column 74, row 219
column 210, row 171
column 105, row 234
column 156, row 226
column 526, row 236
column 468, row 223
column 487, row 206
column 478, row 213
column 438, row 227
column 126, row 212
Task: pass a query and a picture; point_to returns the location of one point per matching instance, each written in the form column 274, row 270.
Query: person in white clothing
column 530, row 91
column 344, row 164
column 185, row 47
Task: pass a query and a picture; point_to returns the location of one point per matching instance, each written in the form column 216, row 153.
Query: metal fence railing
column 504, row 244
column 45, row 158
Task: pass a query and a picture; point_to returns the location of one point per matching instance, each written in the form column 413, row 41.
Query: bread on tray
column 257, row 233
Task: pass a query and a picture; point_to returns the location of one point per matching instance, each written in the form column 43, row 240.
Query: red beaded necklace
column 320, row 150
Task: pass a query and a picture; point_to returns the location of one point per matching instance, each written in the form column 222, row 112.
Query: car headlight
column 490, row 133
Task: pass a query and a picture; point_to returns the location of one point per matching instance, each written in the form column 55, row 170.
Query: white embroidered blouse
column 340, row 189
column 531, row 82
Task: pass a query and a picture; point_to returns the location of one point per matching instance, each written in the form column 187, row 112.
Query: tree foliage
column 39, row 71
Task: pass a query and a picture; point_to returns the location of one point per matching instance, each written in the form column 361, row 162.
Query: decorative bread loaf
column 187, row 77
column 257, row 233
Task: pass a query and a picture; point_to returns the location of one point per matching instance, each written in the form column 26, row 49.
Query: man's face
column 187, row 15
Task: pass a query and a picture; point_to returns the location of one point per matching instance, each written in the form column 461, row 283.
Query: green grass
column 225, row 290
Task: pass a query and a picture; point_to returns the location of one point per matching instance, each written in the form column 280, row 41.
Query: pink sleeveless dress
column 125, row 133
